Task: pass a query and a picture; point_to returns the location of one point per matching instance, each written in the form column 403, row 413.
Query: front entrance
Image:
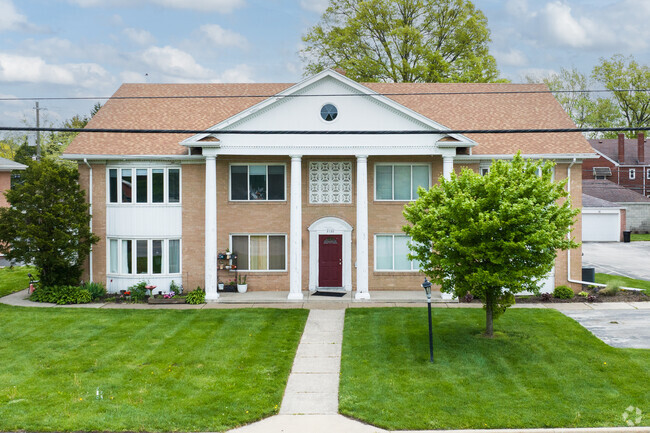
column 330, row 260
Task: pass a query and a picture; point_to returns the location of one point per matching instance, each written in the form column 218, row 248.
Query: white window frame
column 248, row 181
column 149, row 274
column 394, row 164
column 134, row 197
column 631, row 173
column 268, row 244
column 392, row 253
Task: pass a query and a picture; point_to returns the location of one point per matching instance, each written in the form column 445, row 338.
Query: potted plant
column 220, row 285
column 242, row 287
column 230, row 287
column 227, row 254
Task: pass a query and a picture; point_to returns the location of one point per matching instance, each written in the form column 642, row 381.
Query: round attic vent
column 329, row 112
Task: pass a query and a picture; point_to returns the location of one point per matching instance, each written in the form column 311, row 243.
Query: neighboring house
column 622, row 160
column 6, row 167
column 637, row 206
column 602, row 220
column 301, row 211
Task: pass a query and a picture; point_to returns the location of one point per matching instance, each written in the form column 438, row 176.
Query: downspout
column 90, row 200
column 568, row 267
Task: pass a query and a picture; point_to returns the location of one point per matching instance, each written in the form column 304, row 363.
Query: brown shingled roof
column 456, row 111
column 608, row 190
column 609, row 148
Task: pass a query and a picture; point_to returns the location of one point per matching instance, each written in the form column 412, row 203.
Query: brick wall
column 561, row 262
column 193, row 243
column 5, row 184
column 98, row 219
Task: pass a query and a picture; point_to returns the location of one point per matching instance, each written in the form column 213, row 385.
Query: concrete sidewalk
column 379, row 298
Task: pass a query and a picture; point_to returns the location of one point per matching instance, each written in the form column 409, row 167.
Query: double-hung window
column 144, row 256
column 260, row 252
column 400, row 181
column 257, row 182
column 632, row 173
column 391, row 253
column 144, row 185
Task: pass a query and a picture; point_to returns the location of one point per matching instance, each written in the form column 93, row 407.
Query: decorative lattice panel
column 330, row 182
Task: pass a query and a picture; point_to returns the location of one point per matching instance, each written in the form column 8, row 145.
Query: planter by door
column 330, row 261
column 242, row 288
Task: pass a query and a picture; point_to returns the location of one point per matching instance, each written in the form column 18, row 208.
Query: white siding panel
column 116, row 283
column 144, row 221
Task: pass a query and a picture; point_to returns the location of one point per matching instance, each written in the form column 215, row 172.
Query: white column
column 362, row 227
column 210, row 226
column 295, row 230
column 447, row 166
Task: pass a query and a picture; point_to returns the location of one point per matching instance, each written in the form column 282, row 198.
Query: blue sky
column 52, row 48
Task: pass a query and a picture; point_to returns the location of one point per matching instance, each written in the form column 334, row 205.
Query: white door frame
column 330, row 226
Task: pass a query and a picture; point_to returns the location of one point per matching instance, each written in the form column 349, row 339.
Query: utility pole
column 38, row 133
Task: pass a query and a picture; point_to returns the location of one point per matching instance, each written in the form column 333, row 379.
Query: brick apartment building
column 622, row 161
column 302, row 211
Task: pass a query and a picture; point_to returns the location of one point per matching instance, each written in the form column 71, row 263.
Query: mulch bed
column 620, row 296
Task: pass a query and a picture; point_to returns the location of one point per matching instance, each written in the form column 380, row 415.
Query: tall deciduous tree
column 402, row 41
column 572, row 89
column 494, row 235
column 48, row 223
column 627, row 80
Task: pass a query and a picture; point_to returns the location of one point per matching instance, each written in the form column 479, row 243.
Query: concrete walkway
column 279, row 300
column 313, row 385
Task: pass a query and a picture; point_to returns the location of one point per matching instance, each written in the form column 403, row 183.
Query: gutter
column 568, row 267
column 90, row 199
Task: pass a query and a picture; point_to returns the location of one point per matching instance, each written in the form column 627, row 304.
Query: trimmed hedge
column 563, row 292
column 61, row 295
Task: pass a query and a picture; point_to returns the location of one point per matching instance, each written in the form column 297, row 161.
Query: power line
column 498, row 92
column 312, row 132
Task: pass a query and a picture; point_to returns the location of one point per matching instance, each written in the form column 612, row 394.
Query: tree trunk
column 489, row 329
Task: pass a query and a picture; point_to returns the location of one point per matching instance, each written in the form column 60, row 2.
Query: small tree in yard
column 48, row 223
column 494, row 235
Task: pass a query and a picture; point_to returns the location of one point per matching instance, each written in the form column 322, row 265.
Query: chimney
column 621, row 149
column 641, row 146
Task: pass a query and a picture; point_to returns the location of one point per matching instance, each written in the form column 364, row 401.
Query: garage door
column 601, row 226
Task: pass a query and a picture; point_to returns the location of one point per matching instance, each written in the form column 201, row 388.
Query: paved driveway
column 618, row 328
column 618, row 258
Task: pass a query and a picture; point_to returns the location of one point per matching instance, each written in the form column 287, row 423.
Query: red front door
column 330, row 264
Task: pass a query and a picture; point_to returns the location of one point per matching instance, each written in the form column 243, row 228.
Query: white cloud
column 317, row 6
column 174, row 65
column 514, row 57
column 139, row 36
column 223, row 6
column 576, row 25
column 537, row 74
column 12, row 20
column 24, row 69
column 132, row 77
column 239, row 74
column 223, row 37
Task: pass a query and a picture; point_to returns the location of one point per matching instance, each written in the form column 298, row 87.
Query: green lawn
column 627, row 282
column 639, row 237
column 543, row 370
column 14, row 279
column 156, row 370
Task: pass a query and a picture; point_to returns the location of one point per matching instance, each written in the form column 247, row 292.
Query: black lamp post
column 427, row 289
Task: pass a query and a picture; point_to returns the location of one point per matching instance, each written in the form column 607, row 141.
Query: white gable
column 299, row 109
